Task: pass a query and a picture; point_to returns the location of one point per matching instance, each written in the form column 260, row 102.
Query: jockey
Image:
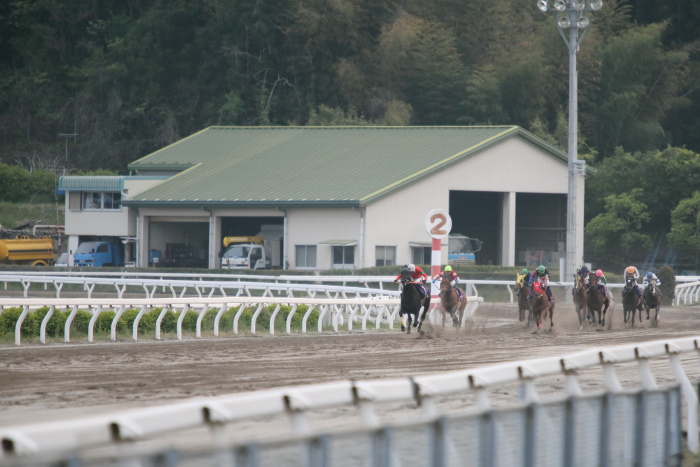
column 541, row 275
column 451, row 276
column 632, row 272
column 524, row 276
column 418, row 277
column 602, row 282
column 583, row 272
column 648, row 279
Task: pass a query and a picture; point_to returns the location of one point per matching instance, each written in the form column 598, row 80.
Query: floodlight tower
column 573, row 19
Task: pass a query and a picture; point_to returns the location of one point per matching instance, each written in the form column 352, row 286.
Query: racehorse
column 596, row 301
column 630, row 301
column 652, row 300
column 451, row 302
column 411, row 302
column 523, row 290
column 540, row 305
column 580, row 300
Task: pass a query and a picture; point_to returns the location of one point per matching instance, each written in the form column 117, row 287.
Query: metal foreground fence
column 616, row 428
column 641, row 428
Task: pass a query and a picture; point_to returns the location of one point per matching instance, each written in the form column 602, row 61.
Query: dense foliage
column 96, row 85
column 130, row 77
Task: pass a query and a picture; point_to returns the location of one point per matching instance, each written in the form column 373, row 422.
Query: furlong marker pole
column 435, row 267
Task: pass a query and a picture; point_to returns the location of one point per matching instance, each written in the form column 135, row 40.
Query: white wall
column 314, row 225
column 514, row 165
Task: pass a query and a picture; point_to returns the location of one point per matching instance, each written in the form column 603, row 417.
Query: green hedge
column 79, row 327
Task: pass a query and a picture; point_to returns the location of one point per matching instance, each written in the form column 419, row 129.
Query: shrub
column 8, row 321
column 667, row 276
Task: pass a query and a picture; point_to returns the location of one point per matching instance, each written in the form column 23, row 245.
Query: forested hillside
column 96, row 85
column 131, row 76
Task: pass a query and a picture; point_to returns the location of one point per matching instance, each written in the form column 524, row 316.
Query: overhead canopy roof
column 309, row 166
column 97, row 182
column 339, row 242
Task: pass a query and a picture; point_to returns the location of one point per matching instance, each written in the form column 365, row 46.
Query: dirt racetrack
column 58, row 381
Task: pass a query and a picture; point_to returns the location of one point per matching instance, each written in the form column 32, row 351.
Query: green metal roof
column 98, row 182
column 316, row 166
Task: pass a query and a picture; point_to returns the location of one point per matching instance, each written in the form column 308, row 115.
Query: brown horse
column 596, row 302
column 580, row 300
column 652, row 300
column 540, row 305
column 523, row 291
column 451, row 302
column 630, row 301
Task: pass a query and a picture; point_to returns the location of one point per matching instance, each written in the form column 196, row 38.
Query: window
column 385, row 255
column 305, row 256
column 343, row 257
column 421, row 255
column 99, row 201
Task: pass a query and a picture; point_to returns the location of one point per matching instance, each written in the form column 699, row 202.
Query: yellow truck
column 27, row 250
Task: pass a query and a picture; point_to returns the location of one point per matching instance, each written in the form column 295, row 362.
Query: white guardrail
column 688, row 292
column 377, row 309
column 295, row 402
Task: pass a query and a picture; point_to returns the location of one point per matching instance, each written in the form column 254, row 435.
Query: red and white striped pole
column 435, row 263
column 438, row 225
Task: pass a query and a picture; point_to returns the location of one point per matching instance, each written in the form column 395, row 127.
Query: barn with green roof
column 341, row 197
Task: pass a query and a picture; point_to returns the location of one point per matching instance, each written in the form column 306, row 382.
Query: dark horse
column 580, row 300
column 411, row 302
column 596, row 301
column 451, row 302
column 523, row 289
column 540, row 305
column 630, row 301
column 652, row 300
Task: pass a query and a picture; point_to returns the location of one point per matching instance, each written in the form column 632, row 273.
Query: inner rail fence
column 332, row 312
column 650, row 417
column 687, row 291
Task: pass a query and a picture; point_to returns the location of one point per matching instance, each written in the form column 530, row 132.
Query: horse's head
column 445, row 282
column 519, row 281
column 652, row 287
column 630, row 282
column 592, row 278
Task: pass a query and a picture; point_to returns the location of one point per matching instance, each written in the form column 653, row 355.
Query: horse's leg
column 409, row 319
column 551, row 316
column 646, row 307
column 401, row 313
column 426, row 307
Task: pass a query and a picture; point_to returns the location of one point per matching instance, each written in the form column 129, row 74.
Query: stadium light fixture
column 573, row 19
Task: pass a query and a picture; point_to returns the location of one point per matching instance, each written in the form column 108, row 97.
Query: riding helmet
column 630, row 269
column 448, row 268
column 412, row 267
column 599, row 273
column 524, row 271
column 541, row 269
column 650, row 274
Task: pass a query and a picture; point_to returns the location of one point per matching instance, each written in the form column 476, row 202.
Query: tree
column 685, row 226
column 615, row 233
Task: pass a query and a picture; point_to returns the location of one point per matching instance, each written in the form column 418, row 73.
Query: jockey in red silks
column 418, row 277
column 451, row 276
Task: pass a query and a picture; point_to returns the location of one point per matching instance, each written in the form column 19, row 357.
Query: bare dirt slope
column 57, row 381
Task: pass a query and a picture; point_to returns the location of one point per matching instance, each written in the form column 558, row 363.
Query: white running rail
column 295, row 402
column 340, row 308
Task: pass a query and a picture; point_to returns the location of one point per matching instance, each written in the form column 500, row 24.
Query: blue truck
column 461, row 250
column 98, row 254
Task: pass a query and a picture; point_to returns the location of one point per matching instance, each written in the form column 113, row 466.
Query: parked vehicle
column 262, row 251
column 97, row 254
column 62, row 261
column 461, row 249
column 27, row 250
